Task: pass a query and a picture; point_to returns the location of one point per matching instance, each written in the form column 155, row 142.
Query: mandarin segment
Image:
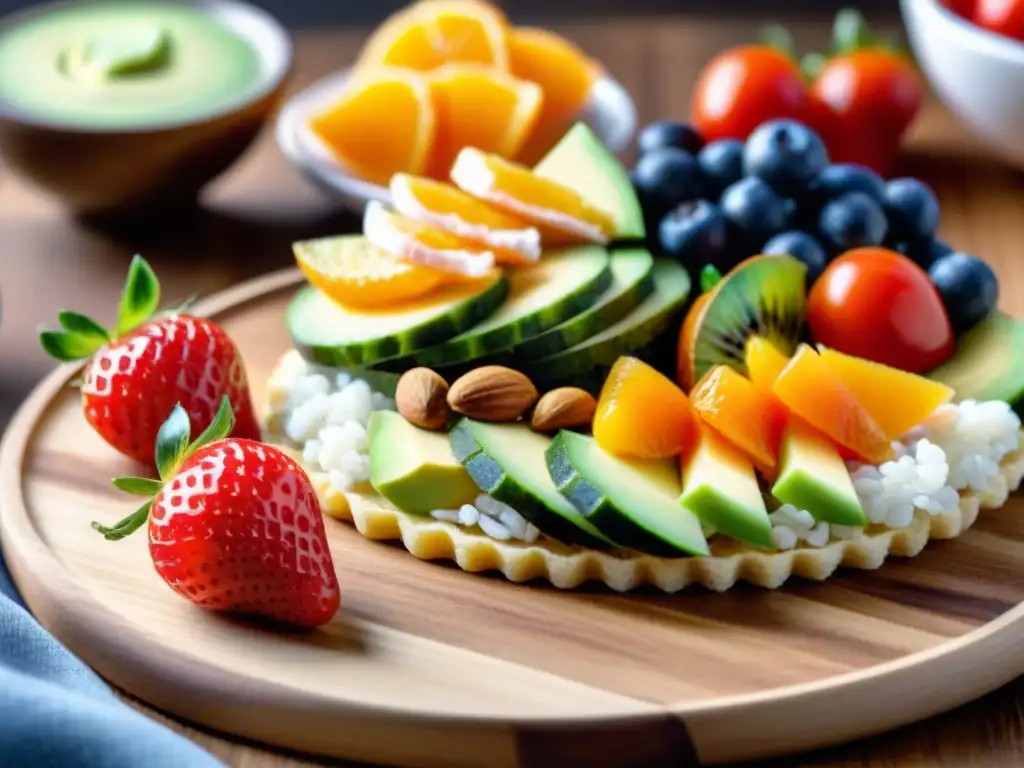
column 482, row 108
column 641, row 413
column 764, row 362
column 811, row 390
column 561, row 215
column 382, row 123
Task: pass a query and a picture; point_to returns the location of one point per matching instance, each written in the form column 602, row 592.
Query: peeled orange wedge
column 382, row 123
column 424, row 244
column 351, row 271
column 561, row 215
column 510, row 239
column 562, row 70
column 480, row 107
column 430, row 33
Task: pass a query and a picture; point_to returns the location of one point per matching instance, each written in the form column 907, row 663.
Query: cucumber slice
column 633, row 502
column 330, row 334
column 632, row 282
column 562, row 284
column 588, row 360
column 507, row 461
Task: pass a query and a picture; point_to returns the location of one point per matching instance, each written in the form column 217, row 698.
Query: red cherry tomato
column 743, row 87
column 1004, row 17
column 877, row 304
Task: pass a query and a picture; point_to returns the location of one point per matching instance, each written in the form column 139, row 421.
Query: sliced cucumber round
column 329, row 334
column 507, row 461
column 636, row 331
column 562, row 284
column 633, row 502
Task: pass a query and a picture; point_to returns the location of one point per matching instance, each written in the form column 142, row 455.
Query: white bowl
column 979, row 75
column 609, row 111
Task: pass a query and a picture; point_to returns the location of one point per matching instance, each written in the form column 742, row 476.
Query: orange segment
column 510, row 239
column 641, row 413
column 482, row 108
column 382, row 123
column 749, row 418
column 809, row 388
column 351, row 271
column 764, row 362
column 423, row 244
column 558, row 212
column 431, row 33
column 896, row 399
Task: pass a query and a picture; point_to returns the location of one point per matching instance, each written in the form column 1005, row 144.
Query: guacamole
column 125, row 65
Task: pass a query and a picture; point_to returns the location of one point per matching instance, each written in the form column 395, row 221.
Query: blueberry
column 924, row 252
column 840, row 178
column 912, row 209
column 968, row 288
column 667, row 177
column 786, row 154
column 802, row 247
column 721, row 163
column 696, row 233
column 852, row 220
column 756, row 209
column 668, row 133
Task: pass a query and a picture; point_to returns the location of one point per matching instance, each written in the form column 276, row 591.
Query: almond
column 421, row 398
column 563, row 408
column 492, row 393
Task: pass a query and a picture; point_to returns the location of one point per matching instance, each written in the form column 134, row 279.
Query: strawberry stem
column 709, row 278
column 850, row 32
column 126, row 526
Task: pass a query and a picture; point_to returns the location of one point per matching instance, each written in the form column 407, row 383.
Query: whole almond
column 563, row 408
column 421, row 398
column 492, row 393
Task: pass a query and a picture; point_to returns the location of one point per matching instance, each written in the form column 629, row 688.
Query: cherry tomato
column 743, row 87
column 962, row 8
column 1004, row 17
column 877, row 304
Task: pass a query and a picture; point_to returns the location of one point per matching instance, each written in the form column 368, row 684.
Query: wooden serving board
column 427, row 665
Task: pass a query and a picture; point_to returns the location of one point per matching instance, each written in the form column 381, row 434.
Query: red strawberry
column 234, row 525
column 136, row 376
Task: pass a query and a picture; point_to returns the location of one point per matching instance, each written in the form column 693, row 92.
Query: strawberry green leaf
column 779, row 38
column 127, row 526
column 709, row 278
column 172, row 442
column 67, row 346
column 850, row 31
column 82, row 325
column 219, row 428
column 139, row 486
column 140, row 298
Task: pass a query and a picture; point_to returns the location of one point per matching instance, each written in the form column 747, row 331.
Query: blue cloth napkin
column 55, row 711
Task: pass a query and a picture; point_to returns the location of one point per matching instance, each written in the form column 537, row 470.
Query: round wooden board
column 427, row 665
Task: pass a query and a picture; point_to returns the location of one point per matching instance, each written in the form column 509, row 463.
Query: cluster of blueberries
column 720, row 202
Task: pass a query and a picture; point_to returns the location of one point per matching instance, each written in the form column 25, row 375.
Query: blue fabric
column 54, row 711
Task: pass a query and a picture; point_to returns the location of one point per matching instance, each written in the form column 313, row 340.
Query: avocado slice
column 813, row 477
column 581, row 162
column 415, row 469
column 508, row 462
column 633, row 502
column 720, row 486
column 988, row 363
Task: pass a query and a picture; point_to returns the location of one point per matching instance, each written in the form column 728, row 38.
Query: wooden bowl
column 98, row 170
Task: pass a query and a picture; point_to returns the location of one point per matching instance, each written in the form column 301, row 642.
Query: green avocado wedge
column 508, row 462
column 327, row 333
column 634, row 502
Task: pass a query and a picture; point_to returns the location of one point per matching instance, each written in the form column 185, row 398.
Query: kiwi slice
column 763, row 296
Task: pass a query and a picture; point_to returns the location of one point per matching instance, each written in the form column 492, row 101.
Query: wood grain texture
column 261, row 206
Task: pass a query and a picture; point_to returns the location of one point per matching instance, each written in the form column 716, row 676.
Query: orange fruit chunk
column 896, row 399
column 749, row 418
column 381, row 124
column 562, row 70
column 351, row 271
column 641, row 413
column 424, row 244
column 479, row 107
column 431, row 33
column 511, row 239
column 811, row 390
column 764, row 362
column 560, row 213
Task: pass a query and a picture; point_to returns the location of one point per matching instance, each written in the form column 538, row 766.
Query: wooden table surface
column 250, row 216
